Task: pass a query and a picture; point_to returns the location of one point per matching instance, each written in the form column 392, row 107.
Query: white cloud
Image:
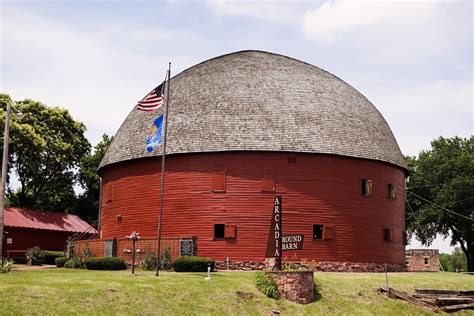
column 334, row 19
column 288, row 11
column 420, row 113
column 98, row 76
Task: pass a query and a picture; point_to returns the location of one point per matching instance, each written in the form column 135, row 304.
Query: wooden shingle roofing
column 260, row 101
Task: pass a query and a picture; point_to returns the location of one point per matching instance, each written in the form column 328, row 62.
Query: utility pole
column 6, row 142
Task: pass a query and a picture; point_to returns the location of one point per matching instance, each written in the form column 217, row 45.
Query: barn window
column 407, row 260
column 218, row 182
column 291, row 160
column 219, row 231
column 268, row 183
column 366, row 187
column 107, row 193
column 387, row 235
column 317, row 231
column 392, row 192
column 427, row 261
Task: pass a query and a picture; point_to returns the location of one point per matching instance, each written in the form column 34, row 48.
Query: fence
column 122, row 247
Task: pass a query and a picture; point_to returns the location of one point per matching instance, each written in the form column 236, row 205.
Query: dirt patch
column 26, row 267
column 245, row 295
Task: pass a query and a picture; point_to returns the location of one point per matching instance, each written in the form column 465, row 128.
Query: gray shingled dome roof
column 259, row 101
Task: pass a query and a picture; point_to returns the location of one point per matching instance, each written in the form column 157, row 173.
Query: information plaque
column 186, row 247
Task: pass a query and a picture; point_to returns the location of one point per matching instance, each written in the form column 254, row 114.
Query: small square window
column 268, row 183
column 219, row 231
column 218, row 182
column 392, row 192
column 366, row 187
column 387, row 235
column 317, row 231
column 291, row 160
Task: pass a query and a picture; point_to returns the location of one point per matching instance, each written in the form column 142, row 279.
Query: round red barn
column 244, row 128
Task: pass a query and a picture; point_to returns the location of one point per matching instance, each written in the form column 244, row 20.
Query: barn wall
column 25, row 238
column 316, row 189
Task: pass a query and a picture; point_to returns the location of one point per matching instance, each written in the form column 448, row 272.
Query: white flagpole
column 158, row 255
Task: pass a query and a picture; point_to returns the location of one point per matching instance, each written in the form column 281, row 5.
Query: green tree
column 88, row 201
column 46, row 148
column 443, row 175
column 457, row 261
column 444, row 260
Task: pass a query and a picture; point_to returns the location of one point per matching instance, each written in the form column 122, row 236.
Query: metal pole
column 6, row 141
column 133, row 255
column 158, row 255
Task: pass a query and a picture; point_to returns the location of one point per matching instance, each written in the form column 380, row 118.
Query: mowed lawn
column 64, row 291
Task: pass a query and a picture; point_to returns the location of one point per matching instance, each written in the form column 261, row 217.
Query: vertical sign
column 274, row 244
column 277, row 230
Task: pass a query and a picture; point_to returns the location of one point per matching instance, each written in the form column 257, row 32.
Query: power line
column 439, row 206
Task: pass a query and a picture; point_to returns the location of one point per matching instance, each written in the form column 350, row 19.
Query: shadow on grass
column 316, row 291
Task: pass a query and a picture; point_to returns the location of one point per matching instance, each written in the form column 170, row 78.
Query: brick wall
column 422, row 259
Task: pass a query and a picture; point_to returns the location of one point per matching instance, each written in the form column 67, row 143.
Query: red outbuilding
column 25, row 229
column 247, row 127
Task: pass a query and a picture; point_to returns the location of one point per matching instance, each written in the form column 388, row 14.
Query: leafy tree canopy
column 46, row 148
column 88, row 202
column 443, row 175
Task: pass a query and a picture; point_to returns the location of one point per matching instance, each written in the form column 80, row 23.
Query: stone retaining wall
column 318, row 266
column 295, row 286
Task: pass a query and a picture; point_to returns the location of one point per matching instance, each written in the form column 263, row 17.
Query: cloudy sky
column 413, row 60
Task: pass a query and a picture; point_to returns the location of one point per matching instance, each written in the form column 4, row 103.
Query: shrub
column 149, row 262
column 6, row 265
column 192, row 264
column 105, row 263
column 60, row 261
column 36, row 255
column 50, row 256
column 74, row 264
column 267, row 285
column 166, row 259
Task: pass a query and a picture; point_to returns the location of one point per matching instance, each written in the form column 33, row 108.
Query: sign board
column 9, row 241
column 186, row 247
column 292, row 242
column 274, row 237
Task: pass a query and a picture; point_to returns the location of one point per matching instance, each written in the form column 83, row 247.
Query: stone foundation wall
column 295, row 286
column 318, row 266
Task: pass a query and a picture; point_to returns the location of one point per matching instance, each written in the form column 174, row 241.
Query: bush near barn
column 193, row 264
column 105, row 263
column 51, row 256
column 61, row 261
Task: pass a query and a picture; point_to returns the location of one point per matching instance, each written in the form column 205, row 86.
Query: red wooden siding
column 316, row 189
column 25, row 238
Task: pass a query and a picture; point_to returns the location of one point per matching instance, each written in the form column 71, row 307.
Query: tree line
column 51, row 159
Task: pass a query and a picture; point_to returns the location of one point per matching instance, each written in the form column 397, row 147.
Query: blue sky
column 413, row 60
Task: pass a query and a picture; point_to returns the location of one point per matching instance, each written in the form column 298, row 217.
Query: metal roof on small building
column 23, row 218
column 260, row 101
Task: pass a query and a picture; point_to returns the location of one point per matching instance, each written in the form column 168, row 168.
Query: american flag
column 153, row 100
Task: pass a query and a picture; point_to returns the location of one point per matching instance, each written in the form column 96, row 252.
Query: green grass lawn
column 64, row 291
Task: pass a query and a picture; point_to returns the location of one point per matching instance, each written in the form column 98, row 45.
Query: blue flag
column 155, row 134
